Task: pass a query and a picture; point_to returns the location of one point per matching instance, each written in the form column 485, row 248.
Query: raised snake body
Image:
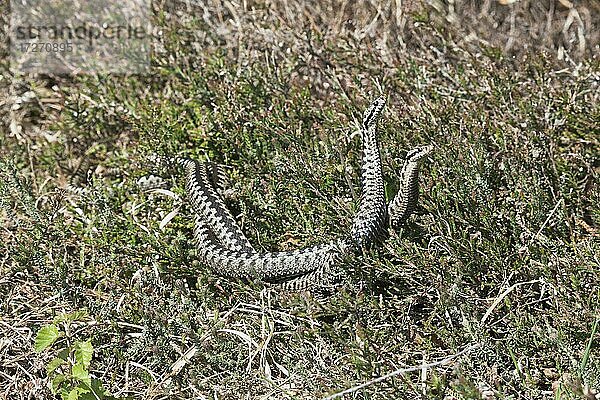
column 225, row 249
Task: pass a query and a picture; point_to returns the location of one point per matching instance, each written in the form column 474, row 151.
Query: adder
column 226, row 250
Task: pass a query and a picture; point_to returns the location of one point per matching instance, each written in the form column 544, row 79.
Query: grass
column 502, row 254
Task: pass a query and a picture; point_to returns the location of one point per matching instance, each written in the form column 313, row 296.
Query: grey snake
column 224, row 248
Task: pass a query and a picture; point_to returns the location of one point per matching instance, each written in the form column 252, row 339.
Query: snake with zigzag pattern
column 225, row 249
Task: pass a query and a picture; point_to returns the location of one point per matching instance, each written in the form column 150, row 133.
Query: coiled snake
column 223, row 246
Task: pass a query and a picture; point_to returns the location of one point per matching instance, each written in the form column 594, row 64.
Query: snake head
column 418, row 153
column 373, row 112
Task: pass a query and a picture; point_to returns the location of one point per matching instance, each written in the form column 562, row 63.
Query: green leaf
column 64, row 353
column 98, row 389
column 56, row 383
column 45, row 337
column 84, row 352
column 80, row 373
column 64, row 393
column 89, row 396
column 96, row 393
column 76, row 392
column 73, row 395
column 52, row 365
column 79, row 315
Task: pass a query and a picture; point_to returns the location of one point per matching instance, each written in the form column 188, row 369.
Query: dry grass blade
column 503, row 295
column 442, row 362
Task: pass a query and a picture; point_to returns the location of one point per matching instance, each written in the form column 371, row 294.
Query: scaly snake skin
column 225, row 249
column 370, row 221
